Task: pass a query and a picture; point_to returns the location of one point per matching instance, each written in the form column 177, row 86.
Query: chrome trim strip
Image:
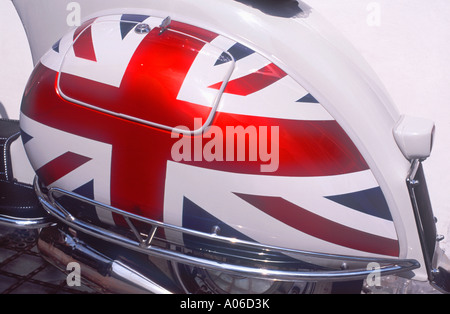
column 25, row 223
column 146, row 244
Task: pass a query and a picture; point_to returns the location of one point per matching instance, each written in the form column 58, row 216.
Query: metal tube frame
column 148, row 244
column 412, row 182
column 25, row 223
column 436, row 263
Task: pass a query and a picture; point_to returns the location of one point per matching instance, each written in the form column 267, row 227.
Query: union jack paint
column 100, row 107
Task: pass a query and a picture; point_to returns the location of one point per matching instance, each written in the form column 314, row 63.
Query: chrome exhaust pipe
column 108, row 275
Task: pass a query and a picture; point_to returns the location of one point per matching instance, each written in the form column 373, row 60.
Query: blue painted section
column 86, row 190
column 25, row 137
column 129, row 21
column 238, row 51
column 370, row 202
column 55, row 47
column 309, row 99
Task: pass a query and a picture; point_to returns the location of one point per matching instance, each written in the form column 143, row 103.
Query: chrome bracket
column 165, row 24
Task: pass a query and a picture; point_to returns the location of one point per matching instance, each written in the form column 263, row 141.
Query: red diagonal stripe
column 253, row 82
column 60, row 166
column 306, row 148
column 84, row 46
column 322, row 228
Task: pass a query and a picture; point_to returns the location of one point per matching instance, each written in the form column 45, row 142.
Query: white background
column 409, row 49
column 407, row 42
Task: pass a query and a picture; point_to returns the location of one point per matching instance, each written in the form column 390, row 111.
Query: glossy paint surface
column 287, row 165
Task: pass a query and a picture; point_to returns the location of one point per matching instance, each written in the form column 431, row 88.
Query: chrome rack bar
column 25, row 223
column 147, row 246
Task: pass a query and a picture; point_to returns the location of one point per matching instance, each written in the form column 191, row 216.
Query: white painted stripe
column 278, row 101
column 49, row 143
column 213, row 191
column 112, row 53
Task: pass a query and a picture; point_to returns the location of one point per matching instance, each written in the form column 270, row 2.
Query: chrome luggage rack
column 230, row 255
